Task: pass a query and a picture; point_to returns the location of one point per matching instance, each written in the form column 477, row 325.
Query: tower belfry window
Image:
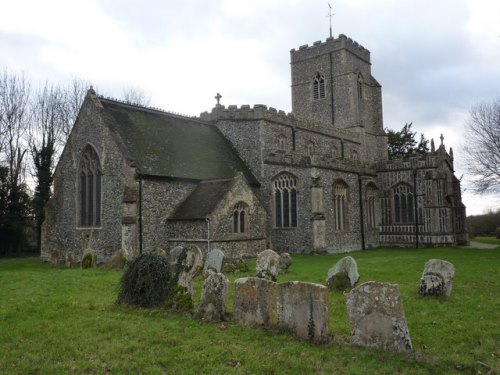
column 319, row 87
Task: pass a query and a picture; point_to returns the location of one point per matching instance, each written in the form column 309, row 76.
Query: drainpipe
column 207, row 219
column 361, row 219
column 415, row 206
column 140, row 214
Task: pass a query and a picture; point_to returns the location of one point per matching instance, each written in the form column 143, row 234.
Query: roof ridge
column 151, row 109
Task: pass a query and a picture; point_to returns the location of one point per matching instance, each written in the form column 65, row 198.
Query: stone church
column 245, row 178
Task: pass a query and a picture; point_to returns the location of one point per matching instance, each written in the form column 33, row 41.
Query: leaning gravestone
column 267, row 265
column 285, row 262
column 214, row 298
column 376, row 317
column 346, row 266
column 297, row 306
column 437, row 278
column 214, row 261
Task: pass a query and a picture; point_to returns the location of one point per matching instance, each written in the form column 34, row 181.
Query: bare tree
column 14, row 119
column 15, row 93
column 483, row 147
column 137, row 96
column 74, row 94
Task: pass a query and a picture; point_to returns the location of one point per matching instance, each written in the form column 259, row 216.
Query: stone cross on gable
column 217, row 97
column 442, row 139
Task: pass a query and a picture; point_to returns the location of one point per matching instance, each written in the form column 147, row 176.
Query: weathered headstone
column 214, row 298
column 346, row 266
column 304, row 309
column 55, row 258
column 214, row 261
column 376, row 317
column 285, row 262
column 159, row 251
column 437, row 278
column 296, row 306
column 255, row 301
column 70, row 259
column 191, row 266
column 173, row 255
column 267, row 265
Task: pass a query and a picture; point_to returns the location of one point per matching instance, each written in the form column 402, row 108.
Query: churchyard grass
column 60, row 321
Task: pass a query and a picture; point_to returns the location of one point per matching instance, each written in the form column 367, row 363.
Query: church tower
column 332, row 84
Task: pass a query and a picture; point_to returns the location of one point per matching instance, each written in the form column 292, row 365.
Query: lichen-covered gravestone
column 297, row 306
column 214, row 261
column 267, row 265
column 214, row 298
column 346, row 266
column 376, row 317
column 437, row 278
column 285, row 262
column 190, row 266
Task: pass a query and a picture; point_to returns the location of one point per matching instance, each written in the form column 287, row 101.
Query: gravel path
column 480, row 245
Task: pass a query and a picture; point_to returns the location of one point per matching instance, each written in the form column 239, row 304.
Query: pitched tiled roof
column 203, row 200
column 168, row 145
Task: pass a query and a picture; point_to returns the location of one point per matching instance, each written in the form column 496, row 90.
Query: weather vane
column 330, row 14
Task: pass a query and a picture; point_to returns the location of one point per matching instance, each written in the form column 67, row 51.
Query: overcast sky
column 434, row 59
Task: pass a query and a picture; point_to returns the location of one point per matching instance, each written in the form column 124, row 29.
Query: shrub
column 89, row 259
column 147, row 282
column 497, row 232
column 238, row 265
column 182, row 299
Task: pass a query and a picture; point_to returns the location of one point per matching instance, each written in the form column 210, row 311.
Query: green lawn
column 64, row 321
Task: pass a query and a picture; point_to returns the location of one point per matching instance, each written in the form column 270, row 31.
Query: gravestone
column 296, row 306
column 214, row 298
column 214, row 261
column 70, row 259
column 346, row 266
column 285, row 262
column 376, row 317
column 190, row 266
column 437, row 278
column 55, row 258
column 267, row 265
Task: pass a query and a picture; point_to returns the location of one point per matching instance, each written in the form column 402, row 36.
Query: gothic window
column 281, row 142
column 386, row 209
column 89, row 186
column 403, row 204
column 285, row 201
column 371, row 198
column 360, row 87
column 335, row 152
column 340, row 205
column 239, row 217
column 319, row 87
column 310, row 148
column 354, row 155
column 443, row 220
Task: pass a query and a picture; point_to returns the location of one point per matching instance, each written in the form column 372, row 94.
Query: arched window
column 403, row 204
column 319, row 86
column 310, row 148
column 360, row 87
column 239, row 218
column 281, row 142
column 89, row 187
column 370, row 199
column 354, row 155
column 340, row 205
column 285, row 201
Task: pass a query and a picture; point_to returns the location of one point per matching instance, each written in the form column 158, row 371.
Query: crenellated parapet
column 330, row 45
column 262, row 112
column 431, row 159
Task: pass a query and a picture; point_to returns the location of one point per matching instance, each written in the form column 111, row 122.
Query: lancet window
column 319, row 86
column 285, row 201
column 89, row 188
column 340, row 205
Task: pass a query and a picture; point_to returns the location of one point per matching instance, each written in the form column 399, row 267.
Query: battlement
column 330, row 45
column 262, row 112
column 431, row 159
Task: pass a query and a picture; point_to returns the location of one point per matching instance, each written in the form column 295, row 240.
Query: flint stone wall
column 297, row 306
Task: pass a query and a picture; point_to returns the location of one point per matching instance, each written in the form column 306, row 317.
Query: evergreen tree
column 403, row 143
